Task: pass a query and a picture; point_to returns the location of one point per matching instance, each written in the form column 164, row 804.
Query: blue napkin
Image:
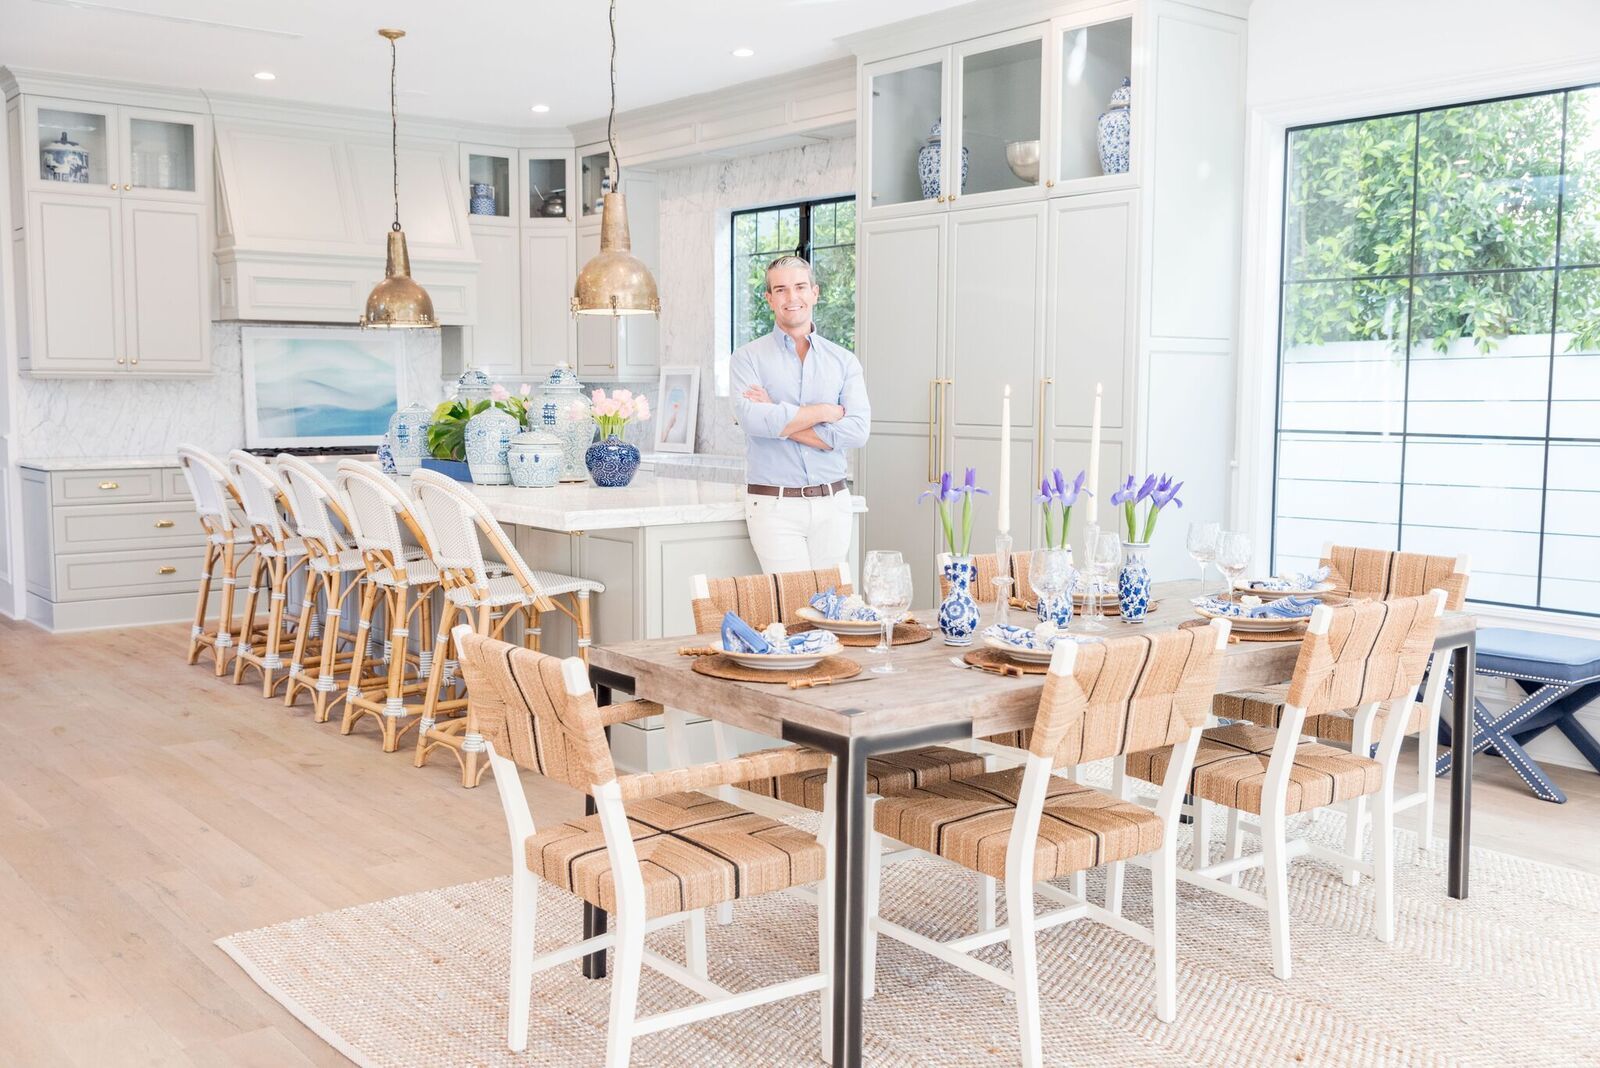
column 740, row 637
column 830, row 603
column 1282, row 608
column 1308, row 580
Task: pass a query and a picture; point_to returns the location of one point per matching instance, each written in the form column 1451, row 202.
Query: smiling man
column 802, row 403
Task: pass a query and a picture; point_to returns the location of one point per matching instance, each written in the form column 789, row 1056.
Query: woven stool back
column 761, row 600
column 378, row 509
column 259, row 492
column 313, row 503
column 519, row 701
column 210, row 486
column 1372, row 651
column 1383, row 573
column 455, row 518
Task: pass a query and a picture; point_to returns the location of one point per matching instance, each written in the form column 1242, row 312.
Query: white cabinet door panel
column 164, row 286
column 894, row 471
column 996, row 333
column 497, row 335
column 982, row 451
column 1092, row 329
column 547, row 273
column 900, row 315
column 74, row 252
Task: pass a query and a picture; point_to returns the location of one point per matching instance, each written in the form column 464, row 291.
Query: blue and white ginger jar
column 1116, row 131
column 408, row 437
column 473, row 386
column 482, row 201
column 929, row 158
column 64, row 160
column 1133, row 585
column 555, row 413
column 958, row 612
column 488, row 437
column 612, row 462
column 535, row 459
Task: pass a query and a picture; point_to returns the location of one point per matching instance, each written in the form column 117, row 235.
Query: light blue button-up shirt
column 830, row 374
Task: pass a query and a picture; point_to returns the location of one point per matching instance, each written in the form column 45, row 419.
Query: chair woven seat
column 887, row 775
column 419, row 572
column 694, row 851
column 1231, row 769
column 969, row 820
column 505, row 589
column 347, row 560
column 1264, row 707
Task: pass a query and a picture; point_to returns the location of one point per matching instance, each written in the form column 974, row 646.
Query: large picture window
column 1439, row 343
column 824, row 232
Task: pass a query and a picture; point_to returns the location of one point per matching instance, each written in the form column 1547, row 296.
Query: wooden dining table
column 934, row 701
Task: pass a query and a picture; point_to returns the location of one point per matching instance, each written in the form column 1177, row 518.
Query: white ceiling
column 482, row 60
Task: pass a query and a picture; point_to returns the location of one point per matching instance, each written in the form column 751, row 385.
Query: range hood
column 303, row 218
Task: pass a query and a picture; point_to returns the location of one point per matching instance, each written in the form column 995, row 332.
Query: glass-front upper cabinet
column 594, row 180
column 905, row 108
column 547, row 175
column 95, row 149
column 75, row 147
column 161, row 151
column 1000, row 97
column 489, row 181
column 1094, row 92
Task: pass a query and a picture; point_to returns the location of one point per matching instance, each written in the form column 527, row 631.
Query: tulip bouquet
column 1155, row 494
column 945, row 493
column 613, row 413
column 1054, row 493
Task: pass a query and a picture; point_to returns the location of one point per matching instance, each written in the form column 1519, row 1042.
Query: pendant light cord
column 611, row 119
column 394, row 133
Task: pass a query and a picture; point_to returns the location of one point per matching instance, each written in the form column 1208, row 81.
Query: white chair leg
column 1025, row 970
column 1114, row 880
column 1355, row 817
column 725, row 914
column 1383, row 862
column 627, row 957
column 1427, row 753
column 524, row 913
column 694, row 943
column 1275, row 846
column 1164, row 930
column 986, row 910
column 1202, row 833
column 1235, row 845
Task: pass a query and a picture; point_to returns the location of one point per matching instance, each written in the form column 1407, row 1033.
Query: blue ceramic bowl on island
column 488, row 437
column 612, row 462
column 535, row 459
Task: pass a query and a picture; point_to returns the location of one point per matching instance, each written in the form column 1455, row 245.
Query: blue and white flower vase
column 488, row 437
column 555, row 413
column 408, row 437
column 958, row 612
column 482, row 201
column 386, row 458
column 1133, row 585
column 611, row 462
column 63, row 161
column 1059, row 609
column 535, row 459
column 1115, row 131
column 929, row 158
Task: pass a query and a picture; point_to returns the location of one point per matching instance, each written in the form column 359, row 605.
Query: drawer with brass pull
column 84, row 487
column 141, row 572
column 79, row 528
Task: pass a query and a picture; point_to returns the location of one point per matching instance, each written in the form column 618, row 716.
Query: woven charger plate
column 1001, row 664
column 904, row 634
column 1108, row 609
column 832, row 668
column 1251, row 636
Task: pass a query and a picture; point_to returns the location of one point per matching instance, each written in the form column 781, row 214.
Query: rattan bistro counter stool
column 1030, row 826
column 1362, row 656
column 279, row 556
column 492, row 593
column 655, row 853
column 337, row 572
column 228, row 546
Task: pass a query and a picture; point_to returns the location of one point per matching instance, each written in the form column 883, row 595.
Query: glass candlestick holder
column 1002, row 580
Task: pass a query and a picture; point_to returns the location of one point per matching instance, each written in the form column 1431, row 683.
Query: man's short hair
column 788, row 261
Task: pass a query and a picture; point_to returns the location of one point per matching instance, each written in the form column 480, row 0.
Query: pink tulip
column 623, row 395
column 625, row 408
column 525, row 389
column 497, row 392
column 598, row 395
column 641, row 407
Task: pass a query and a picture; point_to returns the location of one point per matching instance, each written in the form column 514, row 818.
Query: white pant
column 799, row 533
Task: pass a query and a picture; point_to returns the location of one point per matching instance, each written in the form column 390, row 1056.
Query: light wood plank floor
column 147, row 808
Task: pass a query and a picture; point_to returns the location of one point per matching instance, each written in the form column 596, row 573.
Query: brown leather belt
column 797, row 491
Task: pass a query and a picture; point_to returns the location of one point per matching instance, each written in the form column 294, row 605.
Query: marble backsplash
column 70, row 418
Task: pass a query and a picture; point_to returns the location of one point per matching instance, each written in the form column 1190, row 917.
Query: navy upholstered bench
column 1559, row 675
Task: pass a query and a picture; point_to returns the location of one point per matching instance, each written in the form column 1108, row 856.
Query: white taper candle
column 1003, row 494
column 1094, row 457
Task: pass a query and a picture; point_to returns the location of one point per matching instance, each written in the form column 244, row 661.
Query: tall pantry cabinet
column 1008, row 255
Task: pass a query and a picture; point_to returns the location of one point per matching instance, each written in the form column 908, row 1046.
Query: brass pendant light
column 397, row 302
column 614, row 282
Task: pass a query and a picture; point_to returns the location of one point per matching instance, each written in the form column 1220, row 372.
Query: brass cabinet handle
column 1049, row 183
column 1041, row 429
column 127, row 186
column 134, row 360
column 113, row 187
column 119, row 359
column 952, row 199
column 944, row 411
column 163, row 524
column 108, row 485
column 166, row 569
column 933, row 402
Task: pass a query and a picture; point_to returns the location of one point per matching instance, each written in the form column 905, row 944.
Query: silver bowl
column 1023, row 159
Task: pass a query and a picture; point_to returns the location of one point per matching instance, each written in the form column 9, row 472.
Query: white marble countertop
column 649, row 501
column 95, row 463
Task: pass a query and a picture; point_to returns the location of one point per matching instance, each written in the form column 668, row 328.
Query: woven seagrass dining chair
column 1363, row 656
column 337, row 572
column 1031, row 826
column 229, row 546
column 280, row 555
column 395, row 549
column 491, row 591
column 656, row 853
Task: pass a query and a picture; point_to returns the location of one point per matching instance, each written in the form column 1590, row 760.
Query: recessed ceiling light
column 540, row 109
column 265, row 76
column 744, row 53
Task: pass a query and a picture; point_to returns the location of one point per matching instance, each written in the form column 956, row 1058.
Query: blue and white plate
column 839, row 626
column 804, row 650
column 1022, row 644
column 1271, row 616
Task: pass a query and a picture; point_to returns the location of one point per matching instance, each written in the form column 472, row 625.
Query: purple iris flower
column 1068, row 495
column 1166, row 490
column 1146, row 489
column 970, row 487
column 1046, row 494
column 942, row 491
column 1126, row 493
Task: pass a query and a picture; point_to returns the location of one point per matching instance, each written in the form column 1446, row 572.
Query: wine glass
column 1105, row 553
column 1202, row 544
column 877, row 558
column 1049, row 573
column 1233, row 556
column 889, row 593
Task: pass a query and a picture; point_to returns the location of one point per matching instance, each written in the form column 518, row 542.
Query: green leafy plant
column 447, row 436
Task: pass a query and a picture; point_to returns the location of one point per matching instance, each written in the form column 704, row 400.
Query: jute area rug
column 1510, row 976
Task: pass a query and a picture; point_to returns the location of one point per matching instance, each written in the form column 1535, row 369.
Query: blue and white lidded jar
column 63, row 160
column 482, row 201
column 488, row 437
column 1115, row 131
column 535, row 459
column 556, row 414
column 473, row 386
column 929, row 158
column 408, row 437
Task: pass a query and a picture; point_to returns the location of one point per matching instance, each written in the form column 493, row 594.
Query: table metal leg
column 1463, row 667
column 594, row 917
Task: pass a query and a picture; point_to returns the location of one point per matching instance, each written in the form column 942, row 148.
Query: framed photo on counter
column 677, row 406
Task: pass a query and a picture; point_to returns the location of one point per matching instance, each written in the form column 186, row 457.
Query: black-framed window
column 824, row 232
column 1439, row 343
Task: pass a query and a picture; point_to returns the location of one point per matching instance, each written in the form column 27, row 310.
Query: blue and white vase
column 474, row 385
column 929, row 158
column 386, row 458
column 408, row 437
column 488, row 436
column 958, row 612
column 1133, row 585
column 611, row 462
column 1115, row 135
column 535, row 459
column 574, row 426
column 63, row 161
column 482, row 202
column 1059, row 609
